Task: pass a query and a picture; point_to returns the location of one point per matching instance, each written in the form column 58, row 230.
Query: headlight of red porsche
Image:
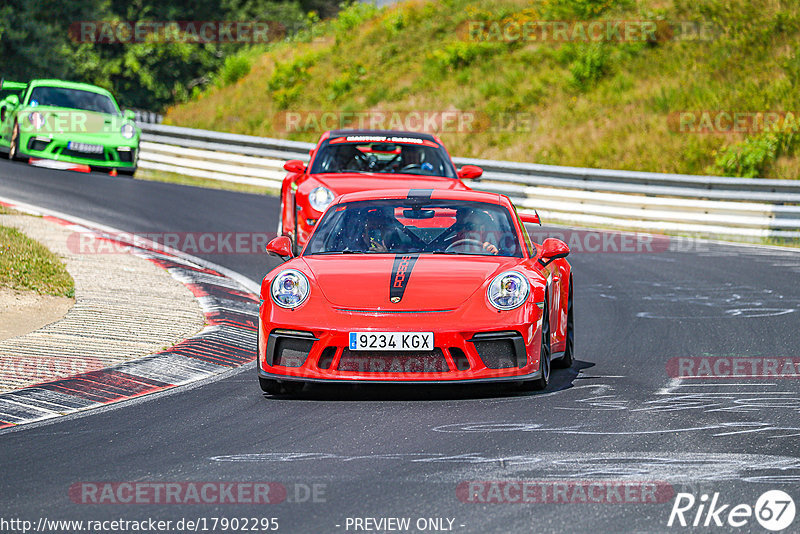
column 320, row 198
column 289, row 289
column 508, row 290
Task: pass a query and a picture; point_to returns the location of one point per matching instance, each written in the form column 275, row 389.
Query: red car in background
column 418, row 285
column 345, row 161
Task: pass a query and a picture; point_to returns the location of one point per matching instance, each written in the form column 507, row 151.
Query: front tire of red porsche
column 569, row 351
column 544, row 355
column 276, row 387
column 269, row 386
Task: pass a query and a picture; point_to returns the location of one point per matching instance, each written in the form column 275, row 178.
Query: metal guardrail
column 143, row 116
column 654, row 202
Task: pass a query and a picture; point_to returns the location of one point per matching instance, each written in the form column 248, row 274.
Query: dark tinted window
column 72, row 99
column 386, row 155
column 399, row 226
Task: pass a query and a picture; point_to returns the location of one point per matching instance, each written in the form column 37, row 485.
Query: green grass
column 174, row 178
column 7, row 211
column 27, row 265
column 609, row 105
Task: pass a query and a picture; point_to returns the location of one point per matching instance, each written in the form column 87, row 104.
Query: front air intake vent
column 326, row 358
column 500, row 350
column 459, row 358
column 289, row 348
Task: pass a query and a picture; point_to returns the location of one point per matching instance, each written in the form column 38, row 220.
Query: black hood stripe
column 401, row 272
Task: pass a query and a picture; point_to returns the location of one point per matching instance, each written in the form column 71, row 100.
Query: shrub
column 352, row 15
column 234, row 69
column 753, row 157
column 291, row 73
column 462, row 53
column 590, row 65
column 581, row 9
column 285, row 82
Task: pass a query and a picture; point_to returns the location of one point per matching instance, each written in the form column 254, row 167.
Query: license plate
column 391, row 340
column 85, row 147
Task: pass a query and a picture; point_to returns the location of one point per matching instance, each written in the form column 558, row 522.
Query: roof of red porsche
column 443, row 194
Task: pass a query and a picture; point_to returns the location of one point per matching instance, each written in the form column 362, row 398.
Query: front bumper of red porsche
column 485, row 349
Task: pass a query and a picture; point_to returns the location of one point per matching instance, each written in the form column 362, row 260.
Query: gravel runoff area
column 126, row 307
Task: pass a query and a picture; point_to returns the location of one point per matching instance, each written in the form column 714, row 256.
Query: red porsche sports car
column 346, row 161
column 419, row 285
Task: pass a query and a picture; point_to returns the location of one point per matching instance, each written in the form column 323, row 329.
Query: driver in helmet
column 379, row 234
column 413, row 158
column 348, row 158
column 470, row 231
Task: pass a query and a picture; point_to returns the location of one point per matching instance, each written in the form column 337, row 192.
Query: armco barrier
column 699, row 205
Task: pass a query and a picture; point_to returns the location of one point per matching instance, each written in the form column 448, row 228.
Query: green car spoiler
column 11, row 86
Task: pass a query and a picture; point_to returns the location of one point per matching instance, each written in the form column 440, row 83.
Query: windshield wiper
column 336, row 252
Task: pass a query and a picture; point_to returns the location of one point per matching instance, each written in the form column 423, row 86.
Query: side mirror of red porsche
column 280, row 246
column 553, row 249
column 530, row 218
column 295, row 165
column 469, row 172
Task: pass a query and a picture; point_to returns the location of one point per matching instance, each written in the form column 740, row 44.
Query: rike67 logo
column 774, row 510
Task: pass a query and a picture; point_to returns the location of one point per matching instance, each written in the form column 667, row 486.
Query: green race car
column 74, row 123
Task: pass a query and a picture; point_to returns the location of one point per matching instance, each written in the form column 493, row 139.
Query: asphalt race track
column 618, row 417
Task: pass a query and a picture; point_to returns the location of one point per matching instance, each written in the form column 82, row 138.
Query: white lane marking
column 747, row 313
column 26, row 406
column 749, row 384
column 587, row 376
column 673, row 383
column 671, row 467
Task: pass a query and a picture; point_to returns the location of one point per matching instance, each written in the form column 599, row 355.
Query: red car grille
column 432, row 361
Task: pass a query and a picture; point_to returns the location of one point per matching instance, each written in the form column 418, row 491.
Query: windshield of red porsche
column 378, row 154
column 414, row 225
